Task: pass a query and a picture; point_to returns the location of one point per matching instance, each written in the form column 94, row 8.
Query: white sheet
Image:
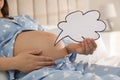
column 110, row 61
column 3, row 76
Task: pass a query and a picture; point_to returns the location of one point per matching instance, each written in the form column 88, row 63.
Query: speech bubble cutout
column 78, row 26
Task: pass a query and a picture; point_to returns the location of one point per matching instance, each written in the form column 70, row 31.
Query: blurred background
column 49, row 12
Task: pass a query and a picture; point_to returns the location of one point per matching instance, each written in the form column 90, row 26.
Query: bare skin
column 45, row 41
column 39, row 40
column 24, row 62
column 36, row 59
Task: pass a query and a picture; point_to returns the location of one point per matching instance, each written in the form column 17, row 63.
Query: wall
column 96, row 4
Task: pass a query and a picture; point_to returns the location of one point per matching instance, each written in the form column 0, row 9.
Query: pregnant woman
column 20, row 34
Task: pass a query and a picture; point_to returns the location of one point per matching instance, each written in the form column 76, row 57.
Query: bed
column 43, row 12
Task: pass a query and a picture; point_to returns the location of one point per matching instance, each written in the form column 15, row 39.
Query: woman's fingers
column 87, row 47
column 45, row 61
column 48, row 63
column 94, row 44
column 43, row 58
column 44, row 64
column 34, row 52
column 42, row 61
column 37, row 54
column 90, row 45
column 83, row 47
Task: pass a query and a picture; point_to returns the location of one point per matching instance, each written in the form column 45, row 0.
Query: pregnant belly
column 44, row 41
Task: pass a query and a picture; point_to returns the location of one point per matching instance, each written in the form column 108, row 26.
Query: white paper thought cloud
column 78, row 25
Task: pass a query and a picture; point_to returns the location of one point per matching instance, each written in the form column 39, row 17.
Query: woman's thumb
column 36, row 52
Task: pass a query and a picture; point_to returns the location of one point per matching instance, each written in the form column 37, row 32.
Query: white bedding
column 111, row 61
column 3, row 76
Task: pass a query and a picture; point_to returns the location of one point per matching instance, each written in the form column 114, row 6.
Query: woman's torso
column 30, row 40
column 11, row 38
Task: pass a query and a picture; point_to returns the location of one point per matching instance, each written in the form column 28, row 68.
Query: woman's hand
column 31, row 60
column 87, row 46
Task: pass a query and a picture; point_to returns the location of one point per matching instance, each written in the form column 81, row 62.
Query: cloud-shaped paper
column 78, row 25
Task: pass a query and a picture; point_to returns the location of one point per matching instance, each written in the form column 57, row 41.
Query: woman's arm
column 87, row 46
column 6, row 64
column 26, row 62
